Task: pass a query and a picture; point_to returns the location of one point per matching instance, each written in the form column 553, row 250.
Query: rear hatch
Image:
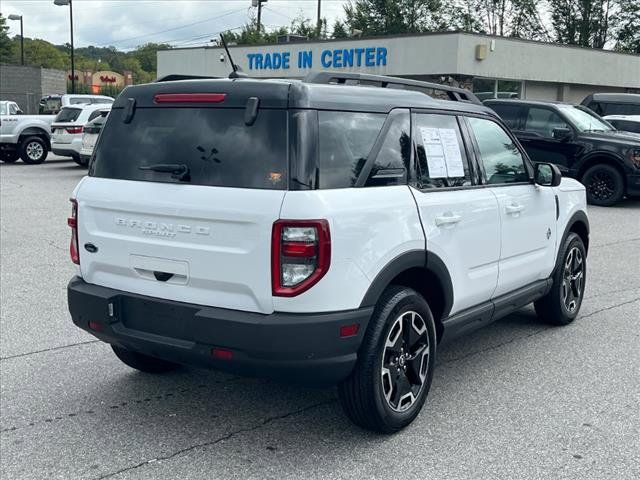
column 182, row 197
column 65, row 125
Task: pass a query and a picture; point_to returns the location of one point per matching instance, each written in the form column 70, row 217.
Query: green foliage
column 6, row 47
column 626, row 26
column 585, row 22
column 339, row 30
column 389, row 17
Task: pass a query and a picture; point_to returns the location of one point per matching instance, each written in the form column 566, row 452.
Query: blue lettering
column 359, row 52
column 381, row 56
column 267, row 61
column 370, row 57
column 337, row 58
column 258, row 62
column 347, row 58
column 323, row 58
column 277, row 60
column 286, row 56
column 251, row 57
column 305, row 59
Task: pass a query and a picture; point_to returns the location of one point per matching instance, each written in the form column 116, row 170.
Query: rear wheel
column 561, row 305
column 142, row 362
column 33, row 150
column 9, row 157
column 604, row 184
column 391, row 380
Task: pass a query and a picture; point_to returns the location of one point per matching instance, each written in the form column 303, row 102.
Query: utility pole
column 319, row 20
column 19, row 17
column 258, row 3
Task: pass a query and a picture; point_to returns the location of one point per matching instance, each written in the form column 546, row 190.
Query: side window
column 392, row 161
column 94, row 114
column 502, row 160
column 543, row 121
column 441, row 158
column 510, row 114
column 596, row 107
column 345, row 141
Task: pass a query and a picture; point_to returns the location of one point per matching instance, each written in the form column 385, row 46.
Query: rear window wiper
column 179, row 171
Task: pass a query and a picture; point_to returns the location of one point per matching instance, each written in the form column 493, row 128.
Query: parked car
column 317, row 233
column 625, row 123
column 23, row 136
column 52, row 104
column 579, row 142
column 613, row 103
column 90, row 133
column 66, row 138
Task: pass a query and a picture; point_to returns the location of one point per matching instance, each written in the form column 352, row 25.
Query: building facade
column 27, row 85
column 96, row 81
column 490, row 66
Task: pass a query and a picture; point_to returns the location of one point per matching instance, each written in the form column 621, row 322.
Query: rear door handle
column 514, row 208
column 448, row 220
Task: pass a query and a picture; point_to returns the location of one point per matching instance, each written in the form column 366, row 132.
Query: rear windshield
column 214, row 145
column 68, row 115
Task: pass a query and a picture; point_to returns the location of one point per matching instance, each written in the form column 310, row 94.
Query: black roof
column 614, row 97
column 275, row 93
column 509, row 101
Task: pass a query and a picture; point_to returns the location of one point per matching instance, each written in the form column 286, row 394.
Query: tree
column 6, row 47
column 388, row 17
column 582, row 22
column 339, row 30
column 626, row 27
column 147, row 55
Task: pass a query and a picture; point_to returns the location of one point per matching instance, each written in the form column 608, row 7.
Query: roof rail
column 453, row 93
column 174, row 77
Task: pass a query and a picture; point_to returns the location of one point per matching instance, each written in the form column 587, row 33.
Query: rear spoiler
column 337, row 78
column 175, row 77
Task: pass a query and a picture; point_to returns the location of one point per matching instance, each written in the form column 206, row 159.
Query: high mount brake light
column 72, row 221
column 189, row 97
column 300, row 255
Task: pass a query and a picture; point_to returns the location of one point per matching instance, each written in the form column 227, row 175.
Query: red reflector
column 98, row 327
column 221, row 353
column 189, row 97
column 72, row 221
column 298, row 249
column 349, row 330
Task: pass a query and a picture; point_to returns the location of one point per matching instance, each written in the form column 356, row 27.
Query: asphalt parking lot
column 517, row 399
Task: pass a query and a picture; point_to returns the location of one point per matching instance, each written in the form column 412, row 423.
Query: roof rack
column 453, row 93
column 177, row 76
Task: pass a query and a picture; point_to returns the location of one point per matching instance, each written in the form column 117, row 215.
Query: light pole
column 64, row 3
column 19, row 17
column 258, row 3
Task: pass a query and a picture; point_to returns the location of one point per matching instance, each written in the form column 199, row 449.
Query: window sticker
column 442, row 150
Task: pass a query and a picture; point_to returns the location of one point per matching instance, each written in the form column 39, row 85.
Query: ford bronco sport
column 317, row 231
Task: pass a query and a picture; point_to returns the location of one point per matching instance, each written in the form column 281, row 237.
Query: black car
column 579, row 142
column 613, row 103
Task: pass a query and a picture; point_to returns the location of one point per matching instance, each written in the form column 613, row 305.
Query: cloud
column 126, row 24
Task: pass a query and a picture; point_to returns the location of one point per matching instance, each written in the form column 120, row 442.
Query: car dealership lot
column 517, row 399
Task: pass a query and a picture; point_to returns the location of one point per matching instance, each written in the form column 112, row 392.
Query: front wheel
column 33, row 150
column 604, row 185
column 392, row 376
column 561, row 305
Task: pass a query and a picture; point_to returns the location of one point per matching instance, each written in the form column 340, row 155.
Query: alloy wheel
column 573, row 280
column 34, row 151
column 601, row 185
column 405, row 361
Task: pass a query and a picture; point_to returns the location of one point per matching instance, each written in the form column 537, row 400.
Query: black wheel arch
column 423, row 271
column 36, row 132
column 598, row 157
column 578, row 224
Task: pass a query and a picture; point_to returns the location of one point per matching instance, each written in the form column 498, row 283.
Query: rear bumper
column 300, row 348
column 64, row 152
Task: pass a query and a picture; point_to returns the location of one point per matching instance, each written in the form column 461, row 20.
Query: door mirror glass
column 19, row 112
column 547, row 175
column 562, row 133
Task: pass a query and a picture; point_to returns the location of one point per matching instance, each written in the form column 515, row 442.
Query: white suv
column 67, row 128
column 318, row 233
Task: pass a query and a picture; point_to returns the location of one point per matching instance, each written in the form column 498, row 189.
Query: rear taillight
column 300, row 255
column 72, row 221
column 74, row 130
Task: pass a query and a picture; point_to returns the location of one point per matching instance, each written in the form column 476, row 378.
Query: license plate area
column 157, row 317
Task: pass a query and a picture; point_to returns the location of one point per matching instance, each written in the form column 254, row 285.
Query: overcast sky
column 128, row 23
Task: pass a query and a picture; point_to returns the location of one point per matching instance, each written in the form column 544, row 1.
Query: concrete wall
column 26, row 85
column 564, row 92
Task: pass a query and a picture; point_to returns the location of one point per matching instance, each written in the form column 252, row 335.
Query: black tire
column 372, row 396
column 604, row 184
column 33, row 150
column 561, row 305
column 142, row 362
column 80, row 161
column 9, row 157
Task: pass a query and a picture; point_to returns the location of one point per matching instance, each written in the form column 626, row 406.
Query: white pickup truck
column 23, row 136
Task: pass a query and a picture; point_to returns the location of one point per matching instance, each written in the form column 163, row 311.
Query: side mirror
column 547, row 174
column 562, row 133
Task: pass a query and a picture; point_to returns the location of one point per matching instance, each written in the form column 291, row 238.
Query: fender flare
column 578, row 216
column 588, row 161
column 426, row 260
